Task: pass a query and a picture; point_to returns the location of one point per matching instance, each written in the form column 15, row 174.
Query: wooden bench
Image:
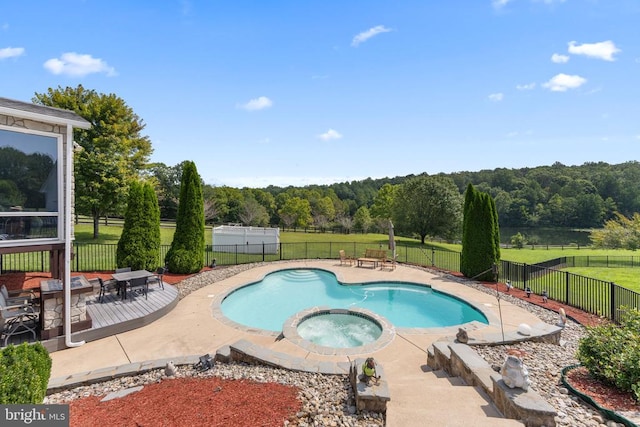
column 372, row 256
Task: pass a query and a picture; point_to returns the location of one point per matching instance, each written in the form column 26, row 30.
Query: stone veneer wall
column 54, row 310
column 22, row 123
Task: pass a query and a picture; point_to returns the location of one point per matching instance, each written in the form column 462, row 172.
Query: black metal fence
column 592, row 295
column 595, row 296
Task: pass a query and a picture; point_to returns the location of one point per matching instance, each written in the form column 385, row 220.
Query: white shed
column 247, row 240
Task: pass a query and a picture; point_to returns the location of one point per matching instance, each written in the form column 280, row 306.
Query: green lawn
column 625, row 277
column 532, row 256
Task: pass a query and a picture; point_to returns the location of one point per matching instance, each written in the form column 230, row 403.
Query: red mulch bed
column 584, row 318
column 604, row 395
column 192, row 402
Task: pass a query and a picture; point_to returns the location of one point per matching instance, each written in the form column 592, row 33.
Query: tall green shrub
column 186, row 254
column 469, row 197
column 481, row 235
column 611, row 352
column 139, row 244
column 24, row 374
column 495, row 225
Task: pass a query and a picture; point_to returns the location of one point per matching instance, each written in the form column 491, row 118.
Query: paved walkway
column 419, row 396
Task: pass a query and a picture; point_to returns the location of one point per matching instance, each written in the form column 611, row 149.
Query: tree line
column 114, row 152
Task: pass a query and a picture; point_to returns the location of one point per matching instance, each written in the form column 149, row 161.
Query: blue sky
column 293, row 92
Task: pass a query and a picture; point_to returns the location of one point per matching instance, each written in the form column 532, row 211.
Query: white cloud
column 366, row 35
column 512, row 134
column 329, row 135
column 559, row 59
column 563, row 82
column 5, row 26
column 78, row 65
column 498, row 4
column 11, row 52
column 257, row 104
column 638, row 136
column 551, row 1
column 526, row 86
column 496, row 97
column 601, row 50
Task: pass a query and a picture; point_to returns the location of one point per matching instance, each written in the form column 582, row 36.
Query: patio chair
column 106, row 286
column 138, row 285
column 16, row 319
column 18, row 297
column 388, row 262
column 344, row 259
column 122, row 286
column 157, row 278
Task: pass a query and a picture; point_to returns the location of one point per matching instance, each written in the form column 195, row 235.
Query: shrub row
column 611, row 352
column 24, row 373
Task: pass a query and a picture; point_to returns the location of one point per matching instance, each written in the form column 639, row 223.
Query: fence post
column 280, row 251
column 566, row 281
column 612, row 302
column 262, row 251
column 433, row 257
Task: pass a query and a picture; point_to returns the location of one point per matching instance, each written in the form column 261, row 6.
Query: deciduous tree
column 428, row 206
column 114, row 151
column 362, row 219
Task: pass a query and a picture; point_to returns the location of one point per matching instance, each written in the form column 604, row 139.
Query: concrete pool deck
column 419, row 396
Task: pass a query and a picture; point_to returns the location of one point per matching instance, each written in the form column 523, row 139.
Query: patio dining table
column 128, row 279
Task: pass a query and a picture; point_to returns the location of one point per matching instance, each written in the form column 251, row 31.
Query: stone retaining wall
column 462, row 361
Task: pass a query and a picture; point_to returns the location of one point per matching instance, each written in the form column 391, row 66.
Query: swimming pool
column 268, row 303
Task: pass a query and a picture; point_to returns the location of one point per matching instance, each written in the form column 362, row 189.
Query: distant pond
column 547, row 236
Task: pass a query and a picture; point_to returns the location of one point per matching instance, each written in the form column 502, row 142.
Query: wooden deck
column 114, row 315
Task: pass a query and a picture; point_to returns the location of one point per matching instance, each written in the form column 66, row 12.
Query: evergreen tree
column 469, row 197
column 139, row 244
column 481, row 236
column 186, row 254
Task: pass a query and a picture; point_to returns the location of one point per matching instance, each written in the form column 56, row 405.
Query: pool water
column 339, row 330
column 268, row 303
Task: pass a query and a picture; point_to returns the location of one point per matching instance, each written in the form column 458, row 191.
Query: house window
column 30, row 185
